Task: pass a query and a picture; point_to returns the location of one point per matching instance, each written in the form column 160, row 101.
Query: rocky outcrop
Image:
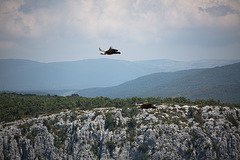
column 168, row 132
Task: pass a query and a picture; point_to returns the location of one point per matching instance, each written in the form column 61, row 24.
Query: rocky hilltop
column 168, row 132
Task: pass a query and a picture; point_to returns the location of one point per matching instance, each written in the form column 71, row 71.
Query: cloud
column 142, row 20
column 133, row 18
column 9, row 45
column 218, row 11
column 30, row 6
column 46, row 24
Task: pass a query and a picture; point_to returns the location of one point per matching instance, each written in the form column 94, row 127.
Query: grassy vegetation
column 17, row 106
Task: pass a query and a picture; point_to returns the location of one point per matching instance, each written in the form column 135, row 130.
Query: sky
column 70, row 30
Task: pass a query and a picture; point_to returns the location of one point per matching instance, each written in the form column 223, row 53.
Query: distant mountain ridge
column 16, row 74
column 220, row 83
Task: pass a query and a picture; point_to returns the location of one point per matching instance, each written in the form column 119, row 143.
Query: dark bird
column 110, row 51
column 146, row 106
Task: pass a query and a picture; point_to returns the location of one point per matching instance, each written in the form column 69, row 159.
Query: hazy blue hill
column 137, row 87
column 30, row 75
column 18, row 74
column 225, row 93
column 221, row 83
column 208, row 78
column 166, row 65
column 15, row 73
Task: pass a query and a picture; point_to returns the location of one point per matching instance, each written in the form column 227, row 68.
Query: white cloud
column 31, row 23
column 138, row 19
column 8, row 45
column 132, row 18
column 141, row 22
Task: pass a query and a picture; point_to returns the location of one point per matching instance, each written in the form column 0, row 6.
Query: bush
column 232, row 120
column 110, row 122
column 134, row 111
column 95, row 148
column 196, row 114
column 25, row 128
column 125, row 112
column 143, row 148
column 131, row 129
column 111, row 146
column 198, row 117
column 31, row 135
column 191, row 111
column 132, row 124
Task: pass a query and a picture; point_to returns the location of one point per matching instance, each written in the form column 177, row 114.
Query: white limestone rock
column 165, row 133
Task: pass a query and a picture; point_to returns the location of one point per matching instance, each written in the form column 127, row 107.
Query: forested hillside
column 220, row 83
column 17, row 106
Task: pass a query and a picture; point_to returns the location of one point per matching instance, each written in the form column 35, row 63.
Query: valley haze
column 66, row 78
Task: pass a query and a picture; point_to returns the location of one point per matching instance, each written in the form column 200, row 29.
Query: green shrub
column 198, row 117
column 132, row 124
column 25, row 128
column 125, row 112
column 191, row 111
column 111, row 146
column 143, row 148
column 196, row 114
column 110, row 122
column 95, row 148
column 31, row 135
column 231, row 119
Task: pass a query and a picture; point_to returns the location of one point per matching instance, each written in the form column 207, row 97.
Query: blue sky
column 69, row 30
